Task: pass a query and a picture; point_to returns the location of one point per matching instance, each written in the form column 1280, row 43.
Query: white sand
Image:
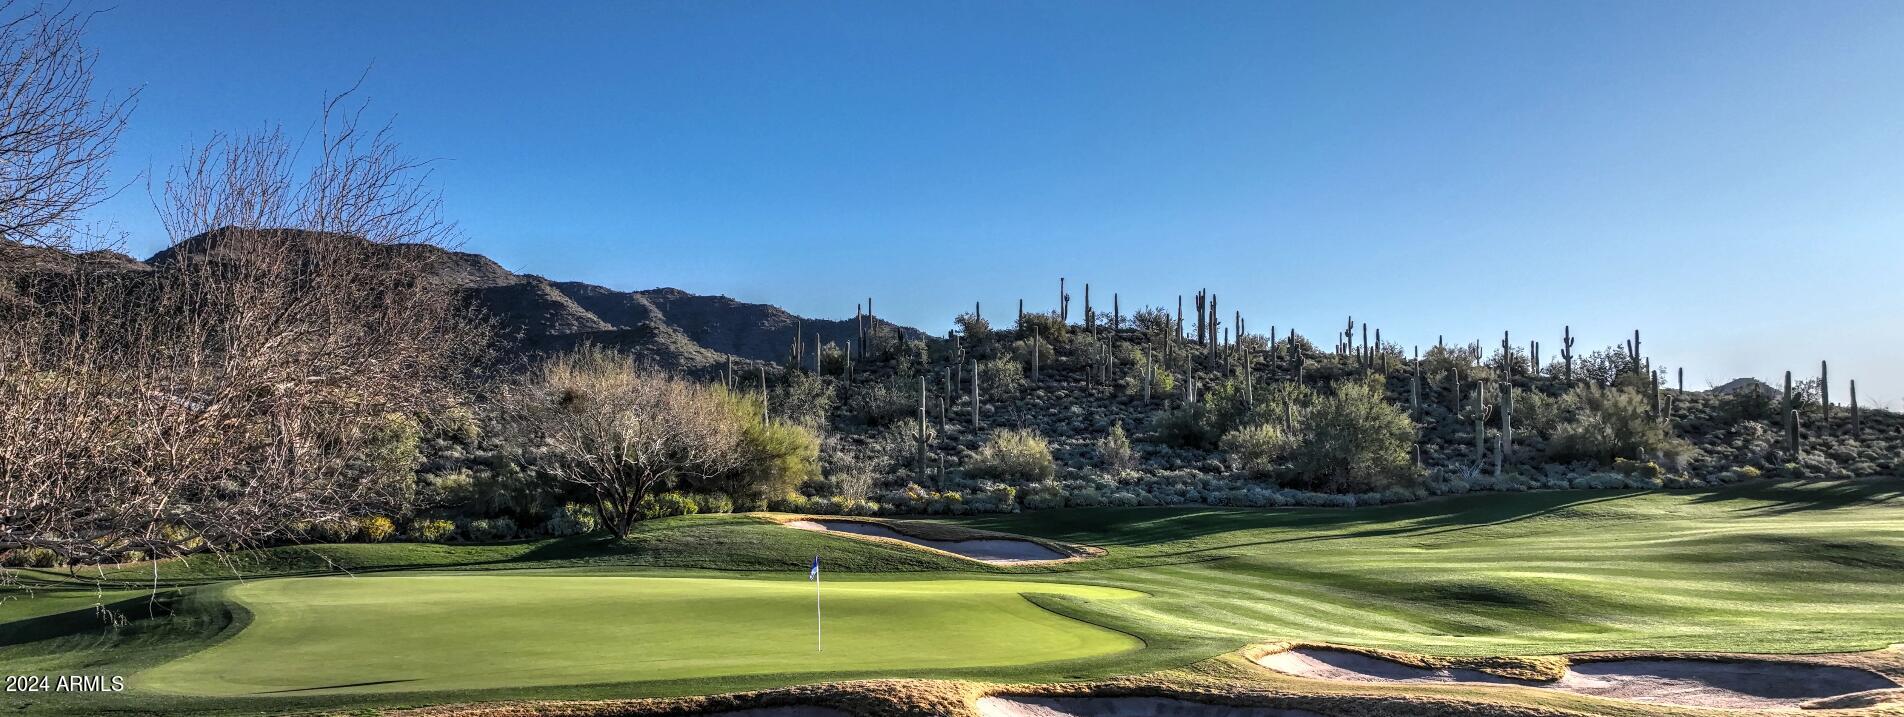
column 1121, row 707
column 1001, row 551
column 1691, row 683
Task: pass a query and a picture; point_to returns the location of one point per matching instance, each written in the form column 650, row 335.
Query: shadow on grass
column 1787, row 497
column 1141, row 527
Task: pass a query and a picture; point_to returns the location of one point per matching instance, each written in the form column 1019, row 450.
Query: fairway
column 1768, row 567
column 443, row 632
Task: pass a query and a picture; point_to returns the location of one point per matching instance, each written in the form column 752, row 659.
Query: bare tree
column 228, row 396
column 55, row 134
column 621, row 431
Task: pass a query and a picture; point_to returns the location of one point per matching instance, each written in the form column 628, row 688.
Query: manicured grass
column 400, row 633
column 1766, row 567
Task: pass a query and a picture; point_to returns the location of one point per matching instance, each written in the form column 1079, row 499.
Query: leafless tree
column 55, row 133
column 623, row 432
column 230, row 395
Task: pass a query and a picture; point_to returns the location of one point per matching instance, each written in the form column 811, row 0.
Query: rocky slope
column 668, row 327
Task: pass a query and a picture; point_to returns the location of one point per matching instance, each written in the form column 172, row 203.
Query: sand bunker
column 792, row 711
column 1121, row 707
column 1690, row 683
column 1003, row 551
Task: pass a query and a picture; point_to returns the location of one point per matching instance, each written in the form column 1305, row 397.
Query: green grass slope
column 442, row 632
column 1758, row 568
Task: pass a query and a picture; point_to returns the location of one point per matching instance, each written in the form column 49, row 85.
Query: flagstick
column 819, row 637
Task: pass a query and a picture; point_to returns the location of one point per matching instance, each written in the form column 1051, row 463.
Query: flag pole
column 819, row 636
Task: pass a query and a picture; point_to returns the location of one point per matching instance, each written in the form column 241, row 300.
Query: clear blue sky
column 1726, row 176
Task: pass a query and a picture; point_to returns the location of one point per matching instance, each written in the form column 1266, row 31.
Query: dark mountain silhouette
column 668, row 327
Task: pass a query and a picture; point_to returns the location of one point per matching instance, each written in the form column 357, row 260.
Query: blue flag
column 814, row 574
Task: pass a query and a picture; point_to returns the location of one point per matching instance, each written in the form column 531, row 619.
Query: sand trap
column 1121, row 707
column 1003, row 551
column 792, row 711
column 1690, row 683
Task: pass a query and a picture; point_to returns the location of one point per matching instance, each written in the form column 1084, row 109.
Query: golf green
column 393, row 633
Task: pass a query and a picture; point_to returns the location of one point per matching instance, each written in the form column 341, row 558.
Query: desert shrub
column 1162, row 383
column 571, row 519
column 1043, row 496
column 667, row 505
column 492, row 529
column 1002, row 376
column 883, row 403
column 1257, row 449
column 714, row 502
column 1114, row 450
column 976, row 329
column 1157, row 323
column 1022, row 348
column 798, row 397
column 1613, row 423
column 993, row 498
column 1354, row 440
column 30, row 558
column 774, row 458
column 446, row 488
column 375, row 528
column 1538, row 412
column 1013, row 456
column 833, row 360
column 1747, row 405
column 1439, row 361
column 432, row 530
column 331, row 531
column 1185, row 426
column 1512, row 362
column 456, row 423
column 1047, row 325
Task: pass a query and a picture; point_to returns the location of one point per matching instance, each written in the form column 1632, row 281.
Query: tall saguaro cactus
column 921, row 438
column 1414, row 389
column 975, row 394
column 1791, row 420
column 1824, row 395
column 1857, row 429
column 1202, row 326
column 1090, row 317
column 1501, row 460
column 1480, row 425
column 1566, row 350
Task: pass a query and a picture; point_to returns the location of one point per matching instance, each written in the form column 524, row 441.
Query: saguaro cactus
column 1791, row 419
column 975, row 394
column 1414, row 389
column 1566, row 349
column 1202, row 326
column 1480, row 425
column 1501, row 460
column 1090, row 317
column 1633, row 349
column 1824, row 394
column 1857, row 429
column 1064, row 303
column 921, row 438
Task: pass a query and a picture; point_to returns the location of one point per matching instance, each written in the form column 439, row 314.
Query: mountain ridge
column 666, row 326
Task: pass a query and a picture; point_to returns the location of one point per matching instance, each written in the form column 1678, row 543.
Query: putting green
column 435, row 632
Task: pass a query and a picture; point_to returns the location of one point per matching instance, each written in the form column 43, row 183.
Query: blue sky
column 1727, row 177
